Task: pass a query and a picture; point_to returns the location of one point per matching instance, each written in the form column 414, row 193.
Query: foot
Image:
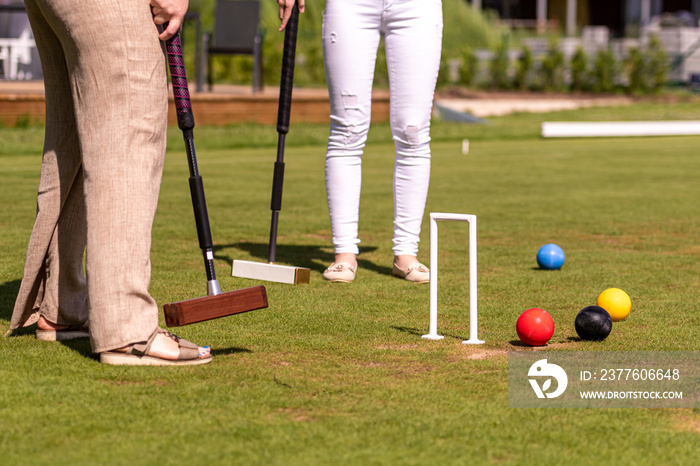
column 162, row 349
column 409, row 268
column 43, row 324
column 167, row 346
column 48, row 331
column 342, row 269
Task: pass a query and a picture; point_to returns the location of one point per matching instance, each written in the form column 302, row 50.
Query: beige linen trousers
column 106, row 118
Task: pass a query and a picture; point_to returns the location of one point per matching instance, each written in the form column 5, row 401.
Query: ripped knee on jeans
column 350, row 101
column 412, row 141
column 411, row 133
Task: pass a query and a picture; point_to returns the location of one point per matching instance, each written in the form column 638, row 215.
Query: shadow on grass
column 312, row 257
column 82, row 347
column 226, row 351
column 519, row 344
column 8, row 294
column 415, row 331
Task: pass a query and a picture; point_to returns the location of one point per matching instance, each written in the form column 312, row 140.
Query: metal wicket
column 473, row 326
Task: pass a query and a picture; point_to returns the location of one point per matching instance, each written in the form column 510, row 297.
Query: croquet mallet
column 216, row 304
column 274, row 272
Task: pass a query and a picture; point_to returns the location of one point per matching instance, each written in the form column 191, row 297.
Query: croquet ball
column 535, row 327
column 550, row 257
column 616, row 302
column 593, row 323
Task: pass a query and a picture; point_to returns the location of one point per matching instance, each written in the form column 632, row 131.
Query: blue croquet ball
column 550, row 257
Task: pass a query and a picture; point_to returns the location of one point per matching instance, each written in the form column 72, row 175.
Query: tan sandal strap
column 188, row 353
column 142, row 348
column 188, row 350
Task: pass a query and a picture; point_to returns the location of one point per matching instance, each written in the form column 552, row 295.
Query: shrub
column 605, row 67
column 464, row 24
column 25, row 121
column 636, row 72
column 443, row 77
column 553, row 67
column 524, row 68
column 499, row 67
column 580, row 80
column 469, row 68
column 659, row 66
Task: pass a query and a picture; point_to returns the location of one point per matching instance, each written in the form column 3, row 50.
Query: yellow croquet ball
column 616, row 302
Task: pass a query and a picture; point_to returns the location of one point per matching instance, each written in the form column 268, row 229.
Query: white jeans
column 412, row 32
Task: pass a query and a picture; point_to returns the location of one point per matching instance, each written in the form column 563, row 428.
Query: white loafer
column 417, row 273
column 340, row 272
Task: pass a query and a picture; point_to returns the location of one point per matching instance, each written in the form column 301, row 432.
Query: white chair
column 16, row 51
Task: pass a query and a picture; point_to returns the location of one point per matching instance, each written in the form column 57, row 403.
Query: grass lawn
column 337, row 373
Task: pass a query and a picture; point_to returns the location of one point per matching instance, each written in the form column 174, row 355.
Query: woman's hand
column 286, row 10
column 171, row 12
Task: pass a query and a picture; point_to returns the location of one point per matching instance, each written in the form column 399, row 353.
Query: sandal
column 70, row 332
column 138, row 353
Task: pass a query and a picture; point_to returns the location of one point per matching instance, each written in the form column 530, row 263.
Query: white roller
column 270, row 272
column 592, row 129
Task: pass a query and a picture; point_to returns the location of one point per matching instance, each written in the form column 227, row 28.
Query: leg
column 350, row 40
column 53, row 286
column 413, row 46
column 116, row 73
column 121, row 118
column 110, row 63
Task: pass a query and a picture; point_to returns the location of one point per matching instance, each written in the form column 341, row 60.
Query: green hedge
column 465, row 30
column 462, row 25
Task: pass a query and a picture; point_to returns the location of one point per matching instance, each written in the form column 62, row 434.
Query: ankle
column 44, row 324
column 405, row 261
column 346, row 257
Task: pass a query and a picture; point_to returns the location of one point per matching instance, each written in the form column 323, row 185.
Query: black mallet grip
column 287, row 80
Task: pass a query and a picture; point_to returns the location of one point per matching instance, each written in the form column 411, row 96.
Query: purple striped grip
column 178, row 77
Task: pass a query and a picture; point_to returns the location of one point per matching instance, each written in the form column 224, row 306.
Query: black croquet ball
column 593, row 323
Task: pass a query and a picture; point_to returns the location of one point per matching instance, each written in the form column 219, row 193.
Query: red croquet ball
column 535, row 327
